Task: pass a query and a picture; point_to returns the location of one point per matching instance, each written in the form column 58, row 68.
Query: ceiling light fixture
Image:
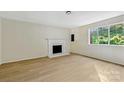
column 68, row 12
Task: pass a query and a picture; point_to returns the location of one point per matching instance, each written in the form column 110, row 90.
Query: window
column 99, row 35
column 94, row 36
column 103, row 35
column 110, row 35
column 117, row 34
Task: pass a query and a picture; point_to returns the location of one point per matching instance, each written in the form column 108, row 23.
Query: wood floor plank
column 72, row 68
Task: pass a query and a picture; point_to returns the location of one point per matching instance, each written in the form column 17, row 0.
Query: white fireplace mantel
column 52, row 42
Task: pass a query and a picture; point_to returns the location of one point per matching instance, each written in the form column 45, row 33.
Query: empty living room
column 61, row 46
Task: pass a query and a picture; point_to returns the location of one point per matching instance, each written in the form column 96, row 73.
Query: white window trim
column 89, row 30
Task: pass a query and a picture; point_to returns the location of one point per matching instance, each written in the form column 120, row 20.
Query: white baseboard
column 21, row 59
column 10, row 61
column 101, row 59
column 1, row 62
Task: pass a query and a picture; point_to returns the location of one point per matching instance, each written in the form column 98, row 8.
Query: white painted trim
column 1, row 62
column 21, row 59
column 108, row 26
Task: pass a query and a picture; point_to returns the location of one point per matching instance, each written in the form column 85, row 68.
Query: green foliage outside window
column 99, row 35
column 113, row 35
column 94, row 37
column 117, row 34
column 103, row 35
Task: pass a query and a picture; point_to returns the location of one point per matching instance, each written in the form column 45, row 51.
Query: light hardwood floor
column 72, row 68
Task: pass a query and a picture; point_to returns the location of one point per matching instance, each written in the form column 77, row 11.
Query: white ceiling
column 59, row 19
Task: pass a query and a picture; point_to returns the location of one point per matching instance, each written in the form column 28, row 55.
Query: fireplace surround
column 56, row 47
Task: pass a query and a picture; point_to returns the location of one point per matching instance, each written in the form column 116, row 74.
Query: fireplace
column 57, row 49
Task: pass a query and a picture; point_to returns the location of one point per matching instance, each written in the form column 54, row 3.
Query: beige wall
column 0, row 43
column 24, row 40
column 104, row 52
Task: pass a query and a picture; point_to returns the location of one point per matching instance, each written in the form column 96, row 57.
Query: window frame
column 89, row 30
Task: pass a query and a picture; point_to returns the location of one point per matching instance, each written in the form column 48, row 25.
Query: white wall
column 24, row 40
column 104, row 52
column 0, row 42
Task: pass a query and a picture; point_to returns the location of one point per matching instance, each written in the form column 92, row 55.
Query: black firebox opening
column 57, row 49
